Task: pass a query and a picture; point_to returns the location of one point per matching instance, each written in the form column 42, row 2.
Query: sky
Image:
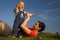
column 47, row 11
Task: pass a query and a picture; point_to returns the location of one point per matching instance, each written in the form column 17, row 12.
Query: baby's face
column 21, row 5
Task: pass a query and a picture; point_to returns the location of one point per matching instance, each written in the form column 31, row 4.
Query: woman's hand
column 24, row 24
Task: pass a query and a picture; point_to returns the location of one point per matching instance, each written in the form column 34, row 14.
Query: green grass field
column 27, row 38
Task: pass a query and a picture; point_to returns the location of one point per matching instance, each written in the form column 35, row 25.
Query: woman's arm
column 24, row 24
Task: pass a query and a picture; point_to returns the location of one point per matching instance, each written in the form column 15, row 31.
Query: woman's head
column 40, row 26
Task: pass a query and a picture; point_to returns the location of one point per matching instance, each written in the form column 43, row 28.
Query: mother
column 37, row 27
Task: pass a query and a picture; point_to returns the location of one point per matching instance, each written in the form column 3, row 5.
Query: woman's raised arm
column 24, row 24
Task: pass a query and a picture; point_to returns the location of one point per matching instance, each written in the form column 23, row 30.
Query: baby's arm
column 16, row 10
column 27, row 13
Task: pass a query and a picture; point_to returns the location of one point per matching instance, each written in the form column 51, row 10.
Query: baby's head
column 20, row 5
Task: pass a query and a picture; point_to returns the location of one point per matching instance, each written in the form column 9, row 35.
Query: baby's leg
column 20, row 30
column 15, row 28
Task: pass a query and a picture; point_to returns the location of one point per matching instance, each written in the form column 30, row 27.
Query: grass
column 27, row 38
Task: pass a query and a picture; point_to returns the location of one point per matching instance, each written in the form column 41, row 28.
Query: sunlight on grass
column 28, row 38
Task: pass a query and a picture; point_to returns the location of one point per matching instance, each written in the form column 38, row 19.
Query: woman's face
column 36, row 26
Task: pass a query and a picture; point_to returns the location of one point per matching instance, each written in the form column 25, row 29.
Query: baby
column 20, row 17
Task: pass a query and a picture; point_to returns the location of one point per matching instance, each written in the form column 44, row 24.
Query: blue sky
column 47, row 11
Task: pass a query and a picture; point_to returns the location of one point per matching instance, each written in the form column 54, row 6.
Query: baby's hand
column 17, row 5
column 29, row 14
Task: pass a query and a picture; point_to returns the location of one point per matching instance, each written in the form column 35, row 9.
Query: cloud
column 51, row 10
column 52, row 2
column 43, row 16
column 40, row 15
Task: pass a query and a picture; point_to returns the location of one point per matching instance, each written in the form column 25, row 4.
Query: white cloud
column 52, row 2
column 40, row 15
column 51, row 10
column 43, row 16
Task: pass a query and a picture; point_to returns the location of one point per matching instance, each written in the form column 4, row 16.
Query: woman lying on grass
column 37, row 27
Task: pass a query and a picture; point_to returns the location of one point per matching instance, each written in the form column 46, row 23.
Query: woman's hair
column 41, row 25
